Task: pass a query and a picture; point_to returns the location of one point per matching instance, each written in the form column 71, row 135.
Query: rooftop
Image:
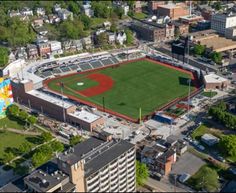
column 51, row 99
column 96, row 153
column 10, row 188
column 170, row 6
column 216, row 43
column 44, row 181
column 85, row 116
column 213, row 78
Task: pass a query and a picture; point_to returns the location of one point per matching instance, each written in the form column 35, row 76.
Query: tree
column 74, row 7
column 177, row 33
column 86, row 21
column 142, row 173
column 3, row 56
column 25, row 147
column 71, row 29
column 216, row 57
column 19, row 32
column 217, row 5
column 7, row 157
column 12, row 110
column 32, row 120
column 75, row 140
column 119, row 11
column 101, row 9
column 57, row 146
column 199, row 49
column 113, row 27
column 23, row 115
column 39, row 158
column 21, row 170
column 129, row 37
column 228, row 145
column 102, row 39
column 46, row 136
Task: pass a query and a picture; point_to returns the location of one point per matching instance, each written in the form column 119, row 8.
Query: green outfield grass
column 137, row 84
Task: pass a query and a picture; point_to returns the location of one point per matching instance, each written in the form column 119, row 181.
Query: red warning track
column 104, row 83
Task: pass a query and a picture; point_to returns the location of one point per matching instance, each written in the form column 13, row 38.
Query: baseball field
column 126, row 88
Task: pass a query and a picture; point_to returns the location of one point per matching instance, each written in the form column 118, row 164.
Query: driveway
column 188, row 163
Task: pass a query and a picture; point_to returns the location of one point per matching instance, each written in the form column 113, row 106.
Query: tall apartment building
column 98, row 166
column 220, row 22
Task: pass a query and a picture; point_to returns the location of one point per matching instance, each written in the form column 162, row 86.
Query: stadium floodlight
column 189, row 91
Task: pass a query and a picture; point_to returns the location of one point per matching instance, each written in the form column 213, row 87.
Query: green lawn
column 209, row 94
column 201, row 130
column 12, row 140
column 140, row 15
column 96, row 21
column 137, row 84
column 205, row 179
column 7, row 123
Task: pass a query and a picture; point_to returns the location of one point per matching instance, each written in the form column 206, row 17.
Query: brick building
column 213, row 81
column 174, row 11
column 152, row 31
column 44, row 48
column 137, row 6
column 55, row 107
column 153, row 5
column 182, row 28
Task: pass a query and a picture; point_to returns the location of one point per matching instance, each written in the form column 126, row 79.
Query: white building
column 87, row 42
column 126, row 9
column 220, row 22
column 87, row 10
column 111, row 37
column 40, row 11
column 64, row 14
column 231, row 33
column 121, row 37
column 27, row 11
column 55, row 47
column 14, row 13
column 56, row 8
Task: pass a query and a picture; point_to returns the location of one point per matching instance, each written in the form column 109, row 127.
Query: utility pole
column 103, row 104
column 189, row 84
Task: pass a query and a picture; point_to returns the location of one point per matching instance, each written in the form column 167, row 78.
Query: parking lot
column 188, row 163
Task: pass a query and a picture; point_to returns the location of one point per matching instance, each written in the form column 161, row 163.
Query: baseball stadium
column 132, row 89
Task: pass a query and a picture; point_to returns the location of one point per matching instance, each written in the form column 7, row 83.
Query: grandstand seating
column 65, row 69
column 115, row 61
column 57, row 71
column 96, row 64
column 73, row 67
column 85, row 66
column 106, row 61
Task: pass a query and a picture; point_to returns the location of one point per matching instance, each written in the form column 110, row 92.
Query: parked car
column 232, row 170
column 156, row 176
column 220, row 158
column 184, row 177
column 202, row 148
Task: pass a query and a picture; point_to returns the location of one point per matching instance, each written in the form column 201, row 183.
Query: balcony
column 121, row 165
column 131, row 153
column 96, row 189
column 92, row 186
column 115, row 188
column 91, row 180
column 123, row 181
column 113, row 164
column 131, row 180
column 114, row 170
column 113, row 177
column 104, row 178
column 131, row 168
column 122, row 170
column 131, row 174
column 104, row 188
column 132, row 189
column 122, row 159
column 132, row 184
column 122, row 175
column 105, row 171
column 130, row 163
column 123, row 187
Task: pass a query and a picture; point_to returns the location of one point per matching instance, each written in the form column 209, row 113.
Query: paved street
column 163, row 186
